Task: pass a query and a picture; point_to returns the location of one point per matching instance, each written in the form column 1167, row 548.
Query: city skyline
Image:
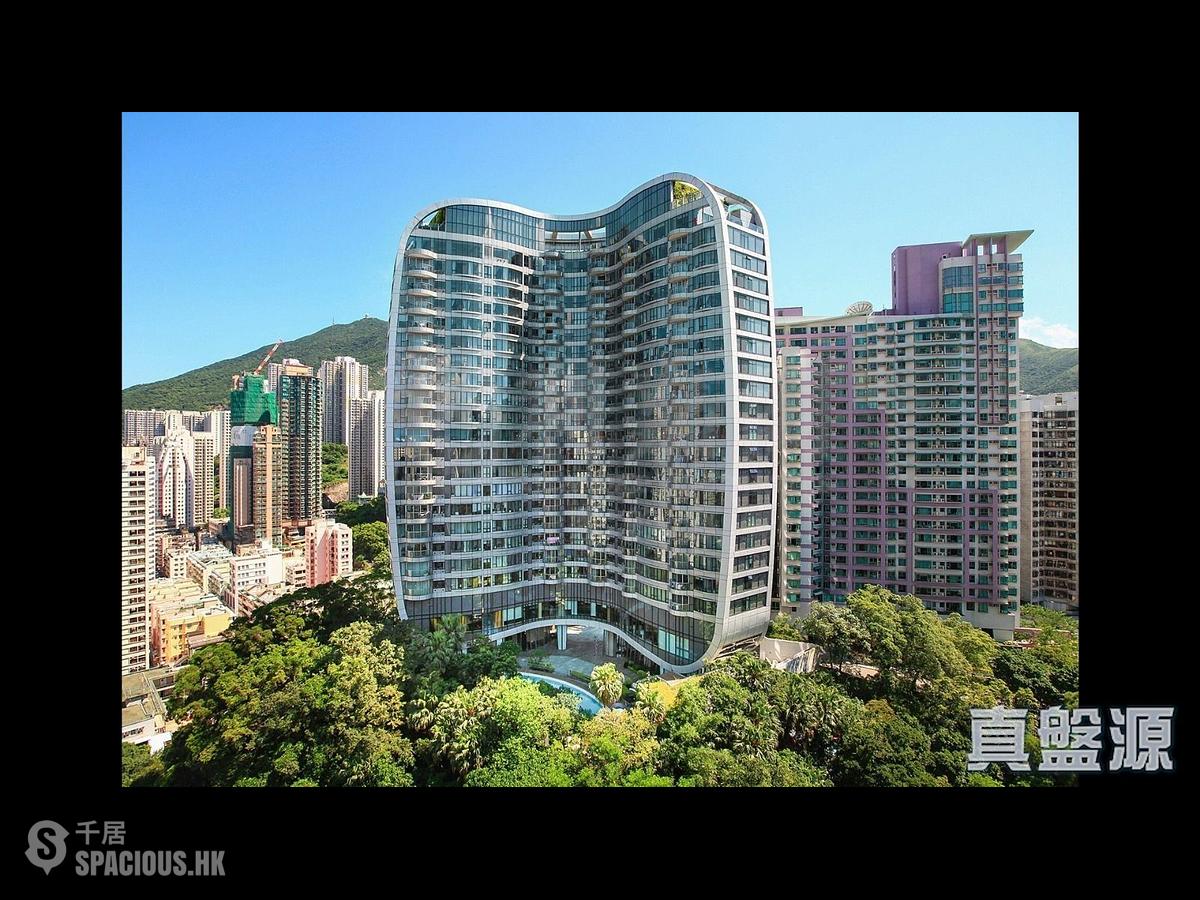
column 212, row 214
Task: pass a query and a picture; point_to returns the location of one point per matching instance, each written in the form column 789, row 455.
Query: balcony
column 422, row 272
column 420, row 253
column 421, row 292
column 679, row 231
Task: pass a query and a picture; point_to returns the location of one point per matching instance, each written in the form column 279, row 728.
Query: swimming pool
column 587, row 703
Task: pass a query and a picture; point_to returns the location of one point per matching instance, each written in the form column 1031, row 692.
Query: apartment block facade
column 899, row 445
column 301, row 399
column 366, row 446
column 216, row 422
column 138, row 504
column 581, row 421
column 1049, row 426
column 204, row 454
column 175, row 468
column 328, row 552
column 343, row 379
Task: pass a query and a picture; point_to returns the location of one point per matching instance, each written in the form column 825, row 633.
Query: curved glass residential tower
column 580, row 415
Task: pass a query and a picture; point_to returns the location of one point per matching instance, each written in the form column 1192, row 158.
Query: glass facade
column 573, row 406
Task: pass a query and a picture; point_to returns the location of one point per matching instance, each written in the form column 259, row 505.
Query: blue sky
column 239, row 229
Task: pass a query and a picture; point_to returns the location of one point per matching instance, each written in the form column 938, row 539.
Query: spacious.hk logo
column 47, row 845
column 48, row 848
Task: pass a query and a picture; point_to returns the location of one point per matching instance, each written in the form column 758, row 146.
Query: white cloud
column 1051, row 334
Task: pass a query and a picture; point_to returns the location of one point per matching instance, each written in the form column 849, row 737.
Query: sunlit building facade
column 899, row 445
column 580, row 420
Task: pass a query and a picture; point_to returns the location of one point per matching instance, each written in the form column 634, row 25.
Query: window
column 754, row 367
column 751, row 324
column 753, row 304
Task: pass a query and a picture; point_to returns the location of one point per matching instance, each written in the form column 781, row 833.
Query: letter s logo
column 47, row 845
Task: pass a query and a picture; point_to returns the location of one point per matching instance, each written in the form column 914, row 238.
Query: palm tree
column 607, row 684
column 651, row 703
column 454, row 627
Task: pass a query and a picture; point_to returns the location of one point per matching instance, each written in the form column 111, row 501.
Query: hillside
column 207, row 387
column 1044, row 370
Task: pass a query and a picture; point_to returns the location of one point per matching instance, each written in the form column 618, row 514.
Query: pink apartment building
column 329, row 550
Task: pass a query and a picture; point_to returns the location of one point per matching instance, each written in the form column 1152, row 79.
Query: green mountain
column 208, row 387
column 1044, row 370
column 1047, row 370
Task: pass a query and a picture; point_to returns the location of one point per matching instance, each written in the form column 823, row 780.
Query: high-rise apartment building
column 138, row 504
column 255, row 463
column 1049, row 426
column 366, row 449
column 175, row 469
column 204, row 446
column 581, row 422
column 344, row 379
column 899, row 462
column 216, row 421
column 142, row 426
column 300, row 419
column 267, row 454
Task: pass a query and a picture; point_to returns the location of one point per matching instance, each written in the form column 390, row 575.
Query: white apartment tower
column 217, row 422
column 366, row 446
column 344, row 379
column 137, row 556
column 175, row 467
column 203, row 492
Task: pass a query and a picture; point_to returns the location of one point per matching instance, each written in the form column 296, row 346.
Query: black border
column 1136, row 621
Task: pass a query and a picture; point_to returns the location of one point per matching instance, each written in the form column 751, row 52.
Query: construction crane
column 265, row 359
column 270, row 353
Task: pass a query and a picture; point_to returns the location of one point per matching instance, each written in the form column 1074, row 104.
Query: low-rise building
column 256, row 565
column 259, row 595
column 295, row 571
column 209, row 568
column 173, row 623
column 143, row 708
column 173, row 542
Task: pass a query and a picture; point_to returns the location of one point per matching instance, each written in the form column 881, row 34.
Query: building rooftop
column 1013, row 239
